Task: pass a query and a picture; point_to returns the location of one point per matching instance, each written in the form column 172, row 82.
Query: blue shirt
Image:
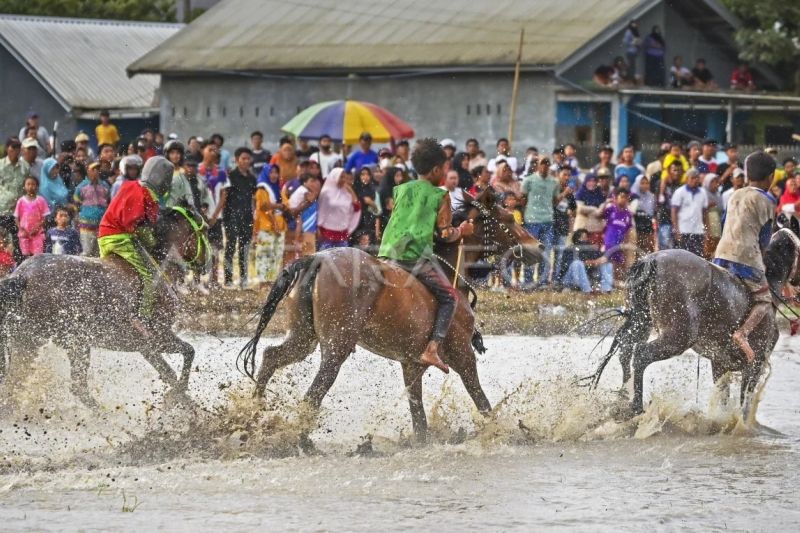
column 309, row 217
column 359, row 158
column 632, row 172
column 62, row 241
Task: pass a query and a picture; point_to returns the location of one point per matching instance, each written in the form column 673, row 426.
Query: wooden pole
column 515, row 88
column 458, row 263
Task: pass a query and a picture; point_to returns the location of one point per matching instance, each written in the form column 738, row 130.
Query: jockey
column 747, row 231
column 421, row 212
column 127, row 226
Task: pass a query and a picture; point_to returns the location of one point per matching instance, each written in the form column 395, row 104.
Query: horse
column 81, row 302
column 695, row 304
column 345, row 297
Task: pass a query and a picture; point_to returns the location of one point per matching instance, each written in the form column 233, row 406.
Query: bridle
column 491, row 225
column 198, row 232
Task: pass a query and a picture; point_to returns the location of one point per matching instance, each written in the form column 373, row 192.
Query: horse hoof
column 307, row 446
column 177, row 397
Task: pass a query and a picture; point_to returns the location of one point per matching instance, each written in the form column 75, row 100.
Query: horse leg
column 465, row 365
column 297, row 345
column 412, row 377
column 172, row 344
column 723, row 386
column 79, row 373
column 165, row 372
column 670, row 343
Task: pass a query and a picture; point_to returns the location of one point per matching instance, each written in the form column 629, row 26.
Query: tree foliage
column 144, row 10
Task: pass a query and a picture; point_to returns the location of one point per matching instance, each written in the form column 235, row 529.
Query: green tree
column 770, row 34
column 145, row 10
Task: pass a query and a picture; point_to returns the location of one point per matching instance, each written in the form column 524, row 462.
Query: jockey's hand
column 466, row 228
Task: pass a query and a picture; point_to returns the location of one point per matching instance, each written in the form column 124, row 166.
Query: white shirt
column 512, row 162
column 726, row 197
column 298, row 196
column 456, row 197
column 328, row 162
column 690, row 209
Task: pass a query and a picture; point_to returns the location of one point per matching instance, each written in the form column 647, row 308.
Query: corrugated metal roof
column 81, row 62
column 281, row 35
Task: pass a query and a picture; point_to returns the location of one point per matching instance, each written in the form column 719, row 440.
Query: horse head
column 496, row 231
column 782, row 259
column 184, row 231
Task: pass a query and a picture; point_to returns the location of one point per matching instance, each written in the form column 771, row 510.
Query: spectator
column 260, row 156
column 737, row 182
column 82, row 143
column 604, row 156
column 194, row 147
column 541, row 192
column 619, row 222
column 667, row 187
column 392, row 178
column 782, row 176
column 563, row 215
column 7, row 262
column 627, row 166
column 92, row 195
column 326, row 157
column 511, row 204
column 689, row 211
column 13, row 171
column 30, row 213
column 339, row 210
column 680, row 77
column 605, row 76
column 365, row 156
column 583, row 263
column 621, row 73
column 239, row 215
column 742, row 78
column 503, row 180
column 449, row 147
column 461, row 167
column 644, row 212
column 604, row 182
column 30, row 153
column 366, row 191
column 130, row 169
column 181, row 191
column 632, row 42
column 725, row 170
column 589, row 200
column 571, row 159
column 217, row 182
column 62, row 239
column 201, row 196
column 147, row 148
column 706, row 162
column 714, row 216
column 703, row 79
column 224, row 155
column 482, row 178
column 304, row 150
column 270, row 226
column 675, row 155
column 695, row 149
column 158, row 142
column 655, row 167
column 531, row 158
column 304, row 207
column 455, row 192
column 106, row 132
column 503, row 154
column 403, row 153
column 654, row 50
column 42, row 136
column 790, row 199
column 475, row 159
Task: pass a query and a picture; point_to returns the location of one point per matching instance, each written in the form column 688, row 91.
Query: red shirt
column 132, row 206
column 741, row 79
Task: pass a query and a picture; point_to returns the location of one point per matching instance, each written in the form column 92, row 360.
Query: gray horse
column 80, row 303
column 692, row 303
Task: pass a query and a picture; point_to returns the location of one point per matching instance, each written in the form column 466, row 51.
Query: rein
column 202, row 244
column 489, row 244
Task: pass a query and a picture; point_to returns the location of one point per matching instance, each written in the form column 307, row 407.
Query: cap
column 771, row 150
column 738, row 172
column 30, row 143
column 93, row 164
column 366, row 136
column 191, row 160
column 693, row 144
column 710, row 142
column 68, row 146
column 603, row 172
column 729, row 146
column 33, row 114
column 384, row 152
column 448, row 143
column 172, row 136
column 82, row 138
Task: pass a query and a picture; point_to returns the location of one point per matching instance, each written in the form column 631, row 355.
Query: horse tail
column 638, row 321
column 283, row 285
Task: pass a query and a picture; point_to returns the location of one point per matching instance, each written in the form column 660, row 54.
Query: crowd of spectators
column 266, row 210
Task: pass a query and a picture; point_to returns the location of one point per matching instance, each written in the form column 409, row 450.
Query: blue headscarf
column 264, row 181
column 593, row 198
column 52, row 189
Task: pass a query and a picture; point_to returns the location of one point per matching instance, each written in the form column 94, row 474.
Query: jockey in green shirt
column 421, row 213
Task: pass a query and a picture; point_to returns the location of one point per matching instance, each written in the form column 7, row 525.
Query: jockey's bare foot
column 741, row 340
column 430, row 357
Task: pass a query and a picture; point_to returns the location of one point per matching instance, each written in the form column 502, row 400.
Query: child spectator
column 93, row 196
column 63, row 239
column 511, row 204
column 7, row 263
column 742, row 78
column 30, row 215
column 106, row 132
column 618, row 223
column 644, row 212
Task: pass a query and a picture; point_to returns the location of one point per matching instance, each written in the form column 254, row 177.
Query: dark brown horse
column 344, row 297
column 80, row 303
column 692, row 303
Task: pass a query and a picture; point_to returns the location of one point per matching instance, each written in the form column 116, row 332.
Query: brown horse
column 81, row 303
column 344, row 297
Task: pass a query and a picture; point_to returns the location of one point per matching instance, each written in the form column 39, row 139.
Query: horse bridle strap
column 485, row 214
column 202, row 241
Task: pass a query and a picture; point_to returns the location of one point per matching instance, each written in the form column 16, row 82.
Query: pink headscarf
column 336, row 210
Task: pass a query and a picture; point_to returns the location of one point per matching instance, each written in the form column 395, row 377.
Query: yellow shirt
column 518, row 216
column 668, row 161
column 106, row 134
column 272, row 221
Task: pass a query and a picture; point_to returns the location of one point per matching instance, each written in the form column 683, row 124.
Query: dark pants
column 8, row 223
column 429, row 274
column 237, row 232
column 692, row 242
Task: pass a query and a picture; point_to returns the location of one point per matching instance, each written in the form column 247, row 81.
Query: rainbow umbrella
column 346, row 120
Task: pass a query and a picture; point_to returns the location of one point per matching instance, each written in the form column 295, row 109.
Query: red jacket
column 132, row 206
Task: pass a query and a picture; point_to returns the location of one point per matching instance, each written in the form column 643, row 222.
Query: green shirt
column 12, row 178
column 409, row 234
column 541, row 192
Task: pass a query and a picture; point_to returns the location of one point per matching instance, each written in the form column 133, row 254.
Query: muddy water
column 551, row 456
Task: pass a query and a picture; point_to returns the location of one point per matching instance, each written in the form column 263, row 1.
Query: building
column 253, row 64
column 68, row 70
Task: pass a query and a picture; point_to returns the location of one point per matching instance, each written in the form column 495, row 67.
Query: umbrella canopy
column 346, row 120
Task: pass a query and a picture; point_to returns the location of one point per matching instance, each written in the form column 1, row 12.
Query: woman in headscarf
column 790, row 197
column 393, row 177
column 269, row 226
column 504, row 182
column 461, row 165
column 714, row 228
column 339, row 210
column 654, row 50
column 590, row 199
column 51, row 185
column 366, row 189
column 632, row 43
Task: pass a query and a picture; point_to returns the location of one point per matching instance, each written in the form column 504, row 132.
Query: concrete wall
column 458, row 106
column 21, row 93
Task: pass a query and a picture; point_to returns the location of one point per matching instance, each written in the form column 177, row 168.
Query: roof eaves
column 36, row 75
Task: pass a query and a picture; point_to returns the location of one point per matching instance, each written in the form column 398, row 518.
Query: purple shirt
column 618, row 223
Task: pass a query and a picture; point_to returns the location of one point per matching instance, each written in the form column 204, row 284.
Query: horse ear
column 794, row 225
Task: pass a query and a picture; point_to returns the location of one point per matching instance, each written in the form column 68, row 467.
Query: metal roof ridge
column 89, row 21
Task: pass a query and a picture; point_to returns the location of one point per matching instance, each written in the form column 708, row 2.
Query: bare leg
column 430, row 357
column 412, row 377
column 740, row 336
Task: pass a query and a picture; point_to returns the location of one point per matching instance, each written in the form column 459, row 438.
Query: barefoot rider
column 421, row 213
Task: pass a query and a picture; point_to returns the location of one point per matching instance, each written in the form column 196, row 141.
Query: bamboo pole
column 458, row 262
column 515, row 89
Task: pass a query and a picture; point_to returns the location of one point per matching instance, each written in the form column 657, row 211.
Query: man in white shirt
column 503, row 151
column 453, row 190
column 326, row 157
column 689, row 214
